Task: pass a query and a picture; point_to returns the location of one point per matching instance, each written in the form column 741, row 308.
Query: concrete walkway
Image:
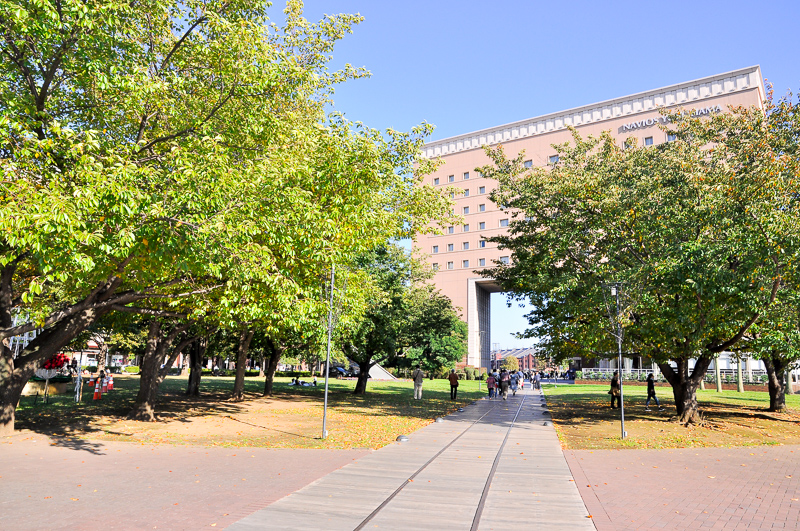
column 495, row 465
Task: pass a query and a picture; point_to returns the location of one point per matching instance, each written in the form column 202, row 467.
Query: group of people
column 616, row 392
column 500, row 383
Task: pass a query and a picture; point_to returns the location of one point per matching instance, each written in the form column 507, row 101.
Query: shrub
column 92, row 368
column 132, row 369
column 469, row 372
column 293, row 374
column 579, row 375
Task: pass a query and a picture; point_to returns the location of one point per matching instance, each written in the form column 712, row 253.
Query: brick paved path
column 101, row 485
column 693, row 488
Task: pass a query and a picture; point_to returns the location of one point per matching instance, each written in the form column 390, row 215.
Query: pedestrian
column 453, row 384
column 417, row 377
column 614, row 391
column 491, row 383
column 537, row 380
column 651, row 393
column 513, row 382
column 505, row 379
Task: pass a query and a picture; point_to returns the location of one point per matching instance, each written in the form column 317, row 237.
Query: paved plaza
column 496, row 465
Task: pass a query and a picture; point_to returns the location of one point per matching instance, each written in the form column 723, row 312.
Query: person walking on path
column 453, row 384
column 491, row 383
column 417, row 376
column 651, row 393
column 513, row 380
column 614, row 391
column 537, row 380
column 505, row 379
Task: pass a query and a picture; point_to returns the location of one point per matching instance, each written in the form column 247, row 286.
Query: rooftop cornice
column 680, row 94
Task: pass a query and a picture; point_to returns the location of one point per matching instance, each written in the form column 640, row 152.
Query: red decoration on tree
column 56, row 362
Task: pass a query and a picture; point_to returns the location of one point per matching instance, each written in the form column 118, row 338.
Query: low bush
column 469, row 373
column 293, row 374
column 131, row 369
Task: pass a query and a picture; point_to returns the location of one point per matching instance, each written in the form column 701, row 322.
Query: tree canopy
column 177, row 156
column 701, row 232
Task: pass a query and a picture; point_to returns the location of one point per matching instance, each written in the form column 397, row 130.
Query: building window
column 451, row 230
column 482, row 190
column 648, row 141
column 482, row 225
column 671, row 137
column 449, row 265
column 482, row 262
column 466, row 175
column 466, row 210
column 449, row 246
column 553, row 159
column 528, row 164
column 481, row 208
column 436, row 181
column 482, row 244
column 452, row 195
column 466, row 228
column 466, row 193
column 465, row 263
column 504, row 260
column 504, row 222
column 465, row 246
column 436, row 267
column 451, row 178
column 435, row 249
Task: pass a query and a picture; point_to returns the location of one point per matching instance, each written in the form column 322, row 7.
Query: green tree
column 432, row 333
column 683, row 226
column 511, row 363
column 165, row 151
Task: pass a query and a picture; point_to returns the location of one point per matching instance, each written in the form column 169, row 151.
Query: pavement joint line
column 476, row 520
column 420, row 469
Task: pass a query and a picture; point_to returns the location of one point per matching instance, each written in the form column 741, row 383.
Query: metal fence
column 755, row 376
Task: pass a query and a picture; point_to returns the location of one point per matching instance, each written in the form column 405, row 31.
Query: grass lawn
column 583, row 419
column 290, row 419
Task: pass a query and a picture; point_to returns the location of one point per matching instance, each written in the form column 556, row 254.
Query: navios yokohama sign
column 666, row 119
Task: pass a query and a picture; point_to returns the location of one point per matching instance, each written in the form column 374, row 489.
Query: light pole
column 615, row 322
column 328, row 356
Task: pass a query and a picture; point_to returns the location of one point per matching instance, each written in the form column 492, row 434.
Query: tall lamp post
column 328, row 356
column 617, row 327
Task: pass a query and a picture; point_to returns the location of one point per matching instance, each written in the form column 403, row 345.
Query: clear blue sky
column 466, row 65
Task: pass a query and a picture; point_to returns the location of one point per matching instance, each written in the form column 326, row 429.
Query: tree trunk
column 363, row 377
column 150, row 373
column 12, row 382
column 101, row 359
column 241, row 364
column 684, row 386
column 196, row 355
column 271, row 362
column 15, row 372
column 776, row 382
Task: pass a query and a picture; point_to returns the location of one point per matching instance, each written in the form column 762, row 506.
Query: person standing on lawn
column 453, row 384
column 651, row 393
column 417, row 377
column 614, row 391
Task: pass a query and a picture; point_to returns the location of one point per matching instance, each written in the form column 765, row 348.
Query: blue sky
column 466, row 65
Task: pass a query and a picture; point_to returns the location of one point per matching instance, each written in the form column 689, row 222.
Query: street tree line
column 173, row 164
column 702, row 233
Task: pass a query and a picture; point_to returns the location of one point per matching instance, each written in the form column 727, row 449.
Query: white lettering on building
column 666, row 119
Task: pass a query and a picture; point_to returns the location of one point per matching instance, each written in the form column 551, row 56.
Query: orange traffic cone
column 105, row 384
column 97, row 393
column 110, row 383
